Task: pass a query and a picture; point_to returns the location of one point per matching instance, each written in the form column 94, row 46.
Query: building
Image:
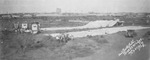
column 27, row 15
column 35, row 27
column 58, row 10
column 15, row 16
column 6, row 16
column 24, row 25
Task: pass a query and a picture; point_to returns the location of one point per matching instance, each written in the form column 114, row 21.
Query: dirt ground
column 86, row 48
column 116, row 42
column 26, row 46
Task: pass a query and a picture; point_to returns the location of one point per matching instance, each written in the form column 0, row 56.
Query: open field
column 54, row 21
column 87, row 44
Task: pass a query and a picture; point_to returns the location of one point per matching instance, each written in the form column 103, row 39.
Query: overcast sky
column 74, row 5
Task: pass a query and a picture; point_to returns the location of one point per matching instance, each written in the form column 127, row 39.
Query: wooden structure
column 35, row 27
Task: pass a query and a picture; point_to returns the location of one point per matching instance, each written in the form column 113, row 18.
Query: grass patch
column 99, row 39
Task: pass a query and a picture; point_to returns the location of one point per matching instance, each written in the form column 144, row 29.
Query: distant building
column 6, row 16
column 58, row 10
column 40, row 15
column 15, row 16
column 27, row 15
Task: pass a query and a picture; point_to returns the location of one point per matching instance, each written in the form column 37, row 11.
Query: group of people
column 64, row 38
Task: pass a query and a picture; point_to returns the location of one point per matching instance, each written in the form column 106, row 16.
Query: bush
column 89, row 36
column 102, row 36
column 147, row 35
column 103, row 41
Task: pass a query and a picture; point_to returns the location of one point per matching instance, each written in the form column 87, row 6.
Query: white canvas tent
column 102, row 23
column 92, row 24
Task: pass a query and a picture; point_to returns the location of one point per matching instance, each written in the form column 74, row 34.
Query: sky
column 79, row 6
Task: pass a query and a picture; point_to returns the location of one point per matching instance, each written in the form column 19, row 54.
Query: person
column 16, row 26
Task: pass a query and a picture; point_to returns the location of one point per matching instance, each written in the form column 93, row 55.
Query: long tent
column 92, row 24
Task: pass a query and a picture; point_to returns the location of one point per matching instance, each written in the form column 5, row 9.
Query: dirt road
column 102, row 31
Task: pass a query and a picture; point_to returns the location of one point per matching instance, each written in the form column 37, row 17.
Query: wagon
column 130, row 33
